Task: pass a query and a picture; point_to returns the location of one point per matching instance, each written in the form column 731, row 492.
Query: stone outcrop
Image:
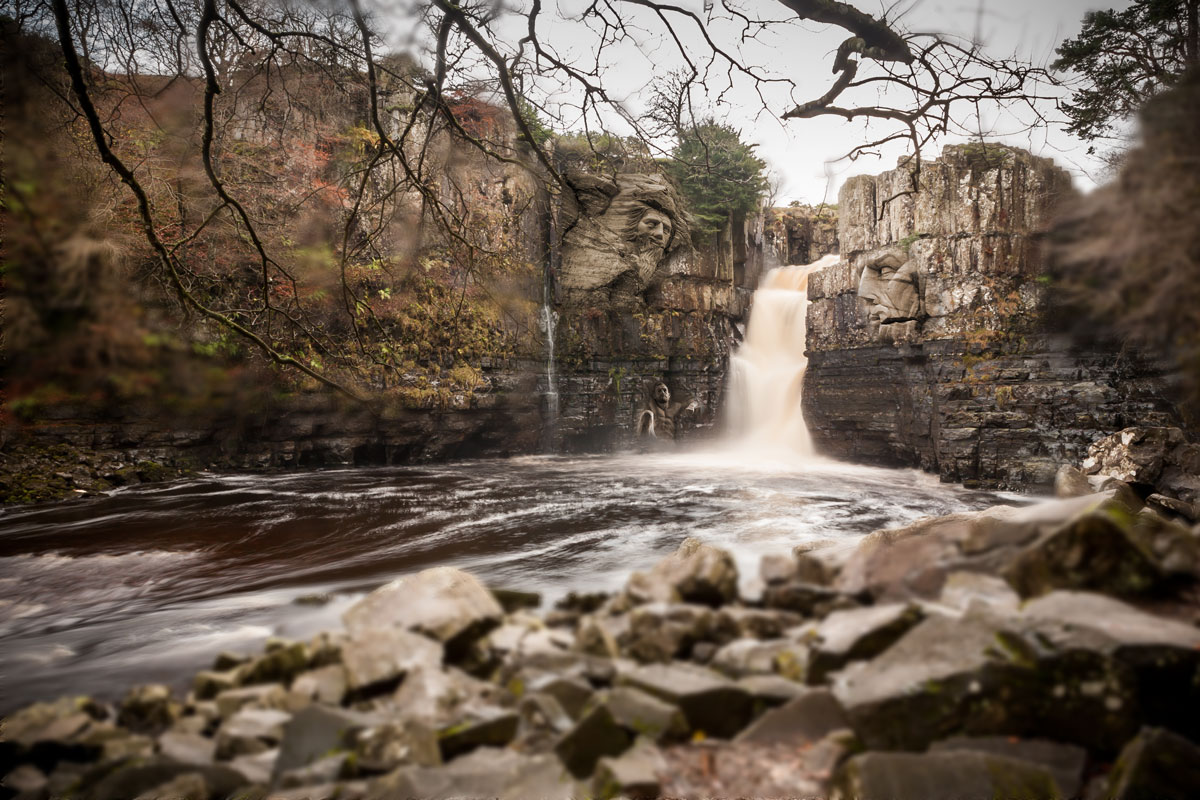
column 930, row 343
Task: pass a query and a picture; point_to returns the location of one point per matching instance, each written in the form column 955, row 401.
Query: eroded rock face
column 929, row 342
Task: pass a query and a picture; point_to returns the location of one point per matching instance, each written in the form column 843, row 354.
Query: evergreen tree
column 718, row 173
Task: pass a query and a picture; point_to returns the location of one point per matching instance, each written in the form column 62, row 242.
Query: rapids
column 151, row 582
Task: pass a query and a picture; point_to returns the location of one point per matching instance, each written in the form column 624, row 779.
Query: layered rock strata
column 931, row 343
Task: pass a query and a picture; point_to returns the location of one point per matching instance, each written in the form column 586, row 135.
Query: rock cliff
column 932, row 342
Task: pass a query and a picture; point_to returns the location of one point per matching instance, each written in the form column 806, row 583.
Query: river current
column 149, row 583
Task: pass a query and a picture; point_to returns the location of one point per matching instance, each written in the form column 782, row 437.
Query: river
column 149, row 583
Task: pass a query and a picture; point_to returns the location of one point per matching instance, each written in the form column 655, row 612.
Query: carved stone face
column 890, row 289
column 662, row 395
column 655, row 227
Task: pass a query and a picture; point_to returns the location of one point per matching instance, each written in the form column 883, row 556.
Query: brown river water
column 149, row 583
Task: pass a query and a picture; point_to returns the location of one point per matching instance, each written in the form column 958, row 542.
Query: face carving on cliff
column 662, row 395
column 651, row 228
column 890, row 289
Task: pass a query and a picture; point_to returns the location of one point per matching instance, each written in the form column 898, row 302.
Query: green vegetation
column 718, row 174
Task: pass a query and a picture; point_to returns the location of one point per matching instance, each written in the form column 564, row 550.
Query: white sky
column 803, row 153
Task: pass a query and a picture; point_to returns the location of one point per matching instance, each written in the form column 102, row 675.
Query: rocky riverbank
column 1044, row 651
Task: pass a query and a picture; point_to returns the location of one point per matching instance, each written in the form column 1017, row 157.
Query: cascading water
column 767, row 371
column 549, row 324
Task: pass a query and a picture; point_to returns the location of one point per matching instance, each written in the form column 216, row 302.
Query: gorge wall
column 934, row 341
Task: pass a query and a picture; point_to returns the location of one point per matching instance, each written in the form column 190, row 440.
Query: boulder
column 1075, row 667
column 437, row 694
column 256, row 767
column 478, row 727
column 743, row 657
column 267, row 695
column 734, row 622
column 597, row 734
column 1156, row 765
column 386, row 746
column 1071, row 481
column 207, row 684
column 316, row 731
column 769, row 691
column 147, row 708
column 1133, row 455
column 444, row 603
column 325, row 771
column 602, row 635
column 776, row 568
column 1064, row 762
column 964, row 590
column 189, row 786
column 249, row 732
column 953, row 775
column 281, row 662
column 633, row 774
column 807, row 718
column 855, row 634
column 663, row 631
column 376, row 660
column 323, row 685
column 642, row 714
column 486, row 772
column 572, row 693
column 694, row 573
column 801, row 597
column 138, row 776
column 543, row 722
column 712, row 705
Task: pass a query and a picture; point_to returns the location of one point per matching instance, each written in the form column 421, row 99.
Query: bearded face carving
column 890, row 291
column 623, row 240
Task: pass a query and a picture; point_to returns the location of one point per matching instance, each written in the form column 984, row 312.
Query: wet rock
column 769, row 691
column 444, row 603
column 642, row 714
column 694, row 573
column 776, row 568
column 226, row 661
column 386, row 746
column 1064, row 762
column 846, row 636
column 324, row 771
column 323, row 685
column 1134, row 455
column 1172, row 507
column 376, row 660
column 1156, row 765
column 597, row 734
column 249, row 732
column 314, row 732
column 479, row 727
column 514, row 600
column 940, row 776
column 711, row 704
column 269, row 695
column 187, row 748
column 798, row 596
column 807, row 718
column 256, row 767
column 486, row 772
column 139, row 776
column 208, row 684
column 282, row 662
column 1071, row 481
column 147, row 708
column 47, row 733
column 633, row 774
column 663, row 631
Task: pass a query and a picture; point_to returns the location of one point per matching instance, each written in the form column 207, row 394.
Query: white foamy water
column 767, row 371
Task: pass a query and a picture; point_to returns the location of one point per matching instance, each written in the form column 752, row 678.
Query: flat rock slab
column 377, row 659
column 447, row 604
column 858, row 633
column 711, row 704
column 942, row 776
column 808, row 718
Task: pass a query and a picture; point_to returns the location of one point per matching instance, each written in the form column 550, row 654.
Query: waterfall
column 767, row 371
column 549, row 325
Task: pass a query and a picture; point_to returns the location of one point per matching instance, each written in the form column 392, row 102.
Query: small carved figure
column 890, row 287
column 659, row 419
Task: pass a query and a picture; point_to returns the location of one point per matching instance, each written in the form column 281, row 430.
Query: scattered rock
column 147, row 708
column 137, row 777
column 389, row 745
column 752, row 623
column 846, row 636
column 256, row 767
column 1064, row 762
column 269, row 695
column 769, row 691
column 190, row 786
column 376, row 660
column 633, row 774
column 187, row 748
column 324, row 771
column 642, row 714
column 480, row 727
column 249, row 732
column 964, row 590
column 281, row 662
column 572, row 693
column 807, row 718
column 663, row 631
column 316, row 731
column 597, row 734
column 801, row 597
column 323, row 685
column 436, row 694
column 511, row 600
column 1071, row 482
column 712, row 705
column 486, row 772
column 444, row 603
